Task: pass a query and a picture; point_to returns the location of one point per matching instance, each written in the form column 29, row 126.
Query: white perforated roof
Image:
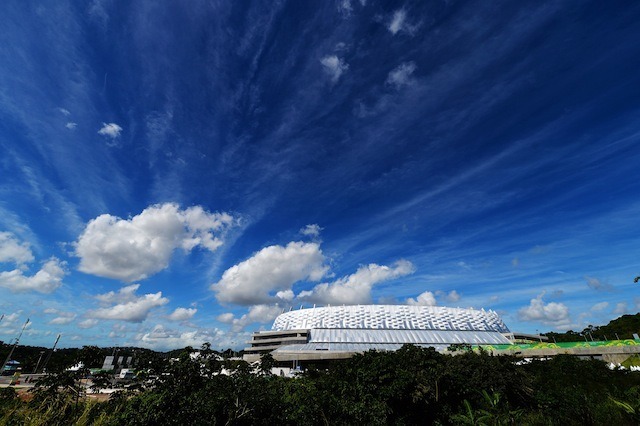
column 395, row 317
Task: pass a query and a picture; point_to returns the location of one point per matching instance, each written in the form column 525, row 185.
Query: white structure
column 341, row 331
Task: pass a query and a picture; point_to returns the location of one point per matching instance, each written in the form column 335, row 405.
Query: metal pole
column 35, row 370
column 46, row 361
column 14, row 346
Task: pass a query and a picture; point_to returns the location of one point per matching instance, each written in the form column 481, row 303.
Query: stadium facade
column 336, row 332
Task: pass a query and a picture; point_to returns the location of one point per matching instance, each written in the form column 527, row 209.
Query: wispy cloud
column 401, row 75
column 334, row 67
column 111, row 130
column 399, row 23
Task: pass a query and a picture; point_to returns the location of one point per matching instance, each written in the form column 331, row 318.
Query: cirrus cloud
column 401, row 76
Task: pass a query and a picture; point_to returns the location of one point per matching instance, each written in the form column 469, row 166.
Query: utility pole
column 46, row 361
column 14, row 346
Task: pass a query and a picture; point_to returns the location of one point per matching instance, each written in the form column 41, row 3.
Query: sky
column 174, row 173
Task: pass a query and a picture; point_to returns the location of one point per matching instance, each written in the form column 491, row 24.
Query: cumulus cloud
column 356, row 288
column 124, row 295
column 425, row 299
column 46, row 280
column 257, row 314
column 555, row 314
column 71, row 125
column 451, row 297
column 273, row 269
column 226, row 318
column 401, row 76
column 312, row 230
column 88, row 323
column 182, row 314
column 10, row 318
column 136, row 248
column 14, row 251
column 598, row 285
column 111, row 130
column 64, row 112
column 334, row 67
column 132, row 309
column 163, row 338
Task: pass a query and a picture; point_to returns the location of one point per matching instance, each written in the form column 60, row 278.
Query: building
column 337, row 332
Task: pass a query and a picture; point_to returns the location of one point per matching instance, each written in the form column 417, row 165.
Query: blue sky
column 176, row 174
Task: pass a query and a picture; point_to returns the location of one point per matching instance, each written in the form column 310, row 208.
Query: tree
column 266, row 364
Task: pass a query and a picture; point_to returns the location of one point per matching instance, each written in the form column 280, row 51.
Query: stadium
column 336, row 332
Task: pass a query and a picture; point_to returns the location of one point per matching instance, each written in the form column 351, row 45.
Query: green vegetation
column 619, row 328
column 410, row 386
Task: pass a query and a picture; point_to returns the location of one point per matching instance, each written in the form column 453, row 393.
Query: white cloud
column 356, row 288
column 272, row 269
column 401, row 76
column 135, row 309
column 621, row 308
column 71, row 125
column 124, row 295
column 287, row 295
column 257, row 314
column 64, row 112
column 334, row 67
column 425, row 299
column 10, row 320
column 63, row 319
column 451, row 297
column 600, row 306
column 12, row 250
column 312, row 230
column 226, row 318
column 135, row 248
column 111, row 130
column 88, row 323
column 46, row 280
column 162, row 338
column 555, row 314
column 182, row 314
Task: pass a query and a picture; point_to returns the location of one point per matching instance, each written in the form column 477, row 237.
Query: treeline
column 410, row 386
column 620, row 328
column 31, row 357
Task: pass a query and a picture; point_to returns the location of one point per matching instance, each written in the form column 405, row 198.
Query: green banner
column 559, row 345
